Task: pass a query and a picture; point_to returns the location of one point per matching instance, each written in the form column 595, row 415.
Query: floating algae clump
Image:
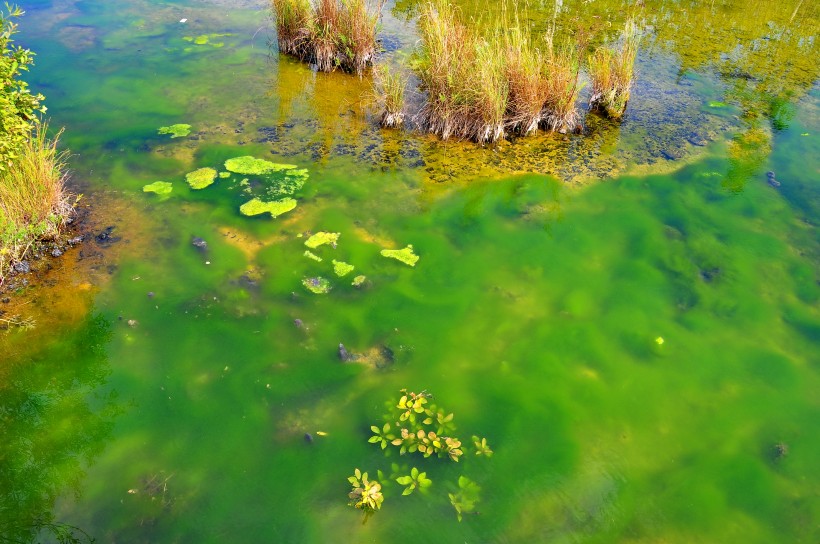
column 224, row 175
column 158, row 187
column 292, row 181
column 275, row 208
column 322, row 238
column 358, row 281
column 310, row 255
column 405, row 255
column 318, row 285
column 254, row 167
column 199, row 179
column 176, row 131
column 341, row 268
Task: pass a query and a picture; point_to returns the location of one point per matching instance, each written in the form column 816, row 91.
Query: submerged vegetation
column 328, row 33
column 34, row 202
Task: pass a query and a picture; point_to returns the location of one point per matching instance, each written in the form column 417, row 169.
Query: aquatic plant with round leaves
column 275, row 208
column 158, row 187
column 322, row 238
column 481, row 447
column 366, row 494
column 201, row 178
column 317, row 285
column 414, row 480
column 251, row 166
column 342, row 269
column 406, row 255
column 176, row 131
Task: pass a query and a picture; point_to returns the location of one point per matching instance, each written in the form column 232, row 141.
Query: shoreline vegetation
column 34, row 203
column 480, row 82
column 329, row 33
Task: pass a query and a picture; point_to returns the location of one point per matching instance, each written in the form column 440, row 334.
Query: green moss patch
column 275, row 208
column 341, row 268
column 405, row 255
column 255, row 167
column 318, row 285
column 322, row 238
column 176, row 131
column 201, row 178
column 158, row 187
column 310, row 255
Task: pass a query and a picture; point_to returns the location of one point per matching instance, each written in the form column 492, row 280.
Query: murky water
column 629, row 316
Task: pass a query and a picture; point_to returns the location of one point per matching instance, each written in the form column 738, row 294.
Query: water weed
column 612, row 72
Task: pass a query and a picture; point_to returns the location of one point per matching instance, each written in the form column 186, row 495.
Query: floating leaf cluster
column 158, row 187
column 366, row 494
column 176, row 131
column 405, row 255
column 275, row 208
column 201, row 178
column 416, row 425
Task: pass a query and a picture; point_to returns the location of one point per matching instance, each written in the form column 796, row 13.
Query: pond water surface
column 629, row 316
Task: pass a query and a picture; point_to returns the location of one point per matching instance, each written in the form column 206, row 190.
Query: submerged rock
column 344, row 355
column 22, row 267
column 105, row 238
column 199, row 243
column 309, row 438
column 770, row 179
column 56, row 252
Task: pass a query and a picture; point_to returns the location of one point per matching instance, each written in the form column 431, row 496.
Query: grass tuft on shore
column 328, row 33
column 612, row 72
column 389, row 87
column 34, row 203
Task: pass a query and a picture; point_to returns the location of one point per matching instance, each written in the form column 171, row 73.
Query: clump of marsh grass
column 611, row 72
column 389, row 89
column 463, row 75
column 563, row 66
column 328, row 33
column 528, row 80
column 293, row 23
column 34, row 203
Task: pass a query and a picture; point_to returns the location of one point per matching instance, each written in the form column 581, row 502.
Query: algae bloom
column 176, row 131
column 310, row 255
column 158, row 187
column 358, row 281
column 275, row 208
column 341, row 268
column 405, row 255
column 201, row 178
column 224, row 175
column 252, row 166
column 322, row 238
column 318, row 285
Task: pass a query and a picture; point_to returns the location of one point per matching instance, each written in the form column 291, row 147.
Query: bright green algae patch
column 158, row 187
column 358, row 281
column 312, row 256
column 201, row 178
column 318, row 285
column 252, row 166
column 176, row 131
column 342, row 269
column 322, row 238
column 405, row 255
column 275, row 208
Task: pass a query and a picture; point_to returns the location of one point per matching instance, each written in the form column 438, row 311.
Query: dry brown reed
column 563, row 66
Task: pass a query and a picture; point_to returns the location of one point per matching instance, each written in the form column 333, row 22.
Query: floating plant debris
column 405, row 255
column 341, row 268
column 322, row 238
column 201, row 178
column 275, row 208
column 176, row 131
column 158, row 187
column 318, row 285
column 254, row 167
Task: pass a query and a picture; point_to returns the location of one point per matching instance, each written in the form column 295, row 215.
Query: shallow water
column 630, row 318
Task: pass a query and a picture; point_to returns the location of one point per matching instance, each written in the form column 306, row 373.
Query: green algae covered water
column 629, row 316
